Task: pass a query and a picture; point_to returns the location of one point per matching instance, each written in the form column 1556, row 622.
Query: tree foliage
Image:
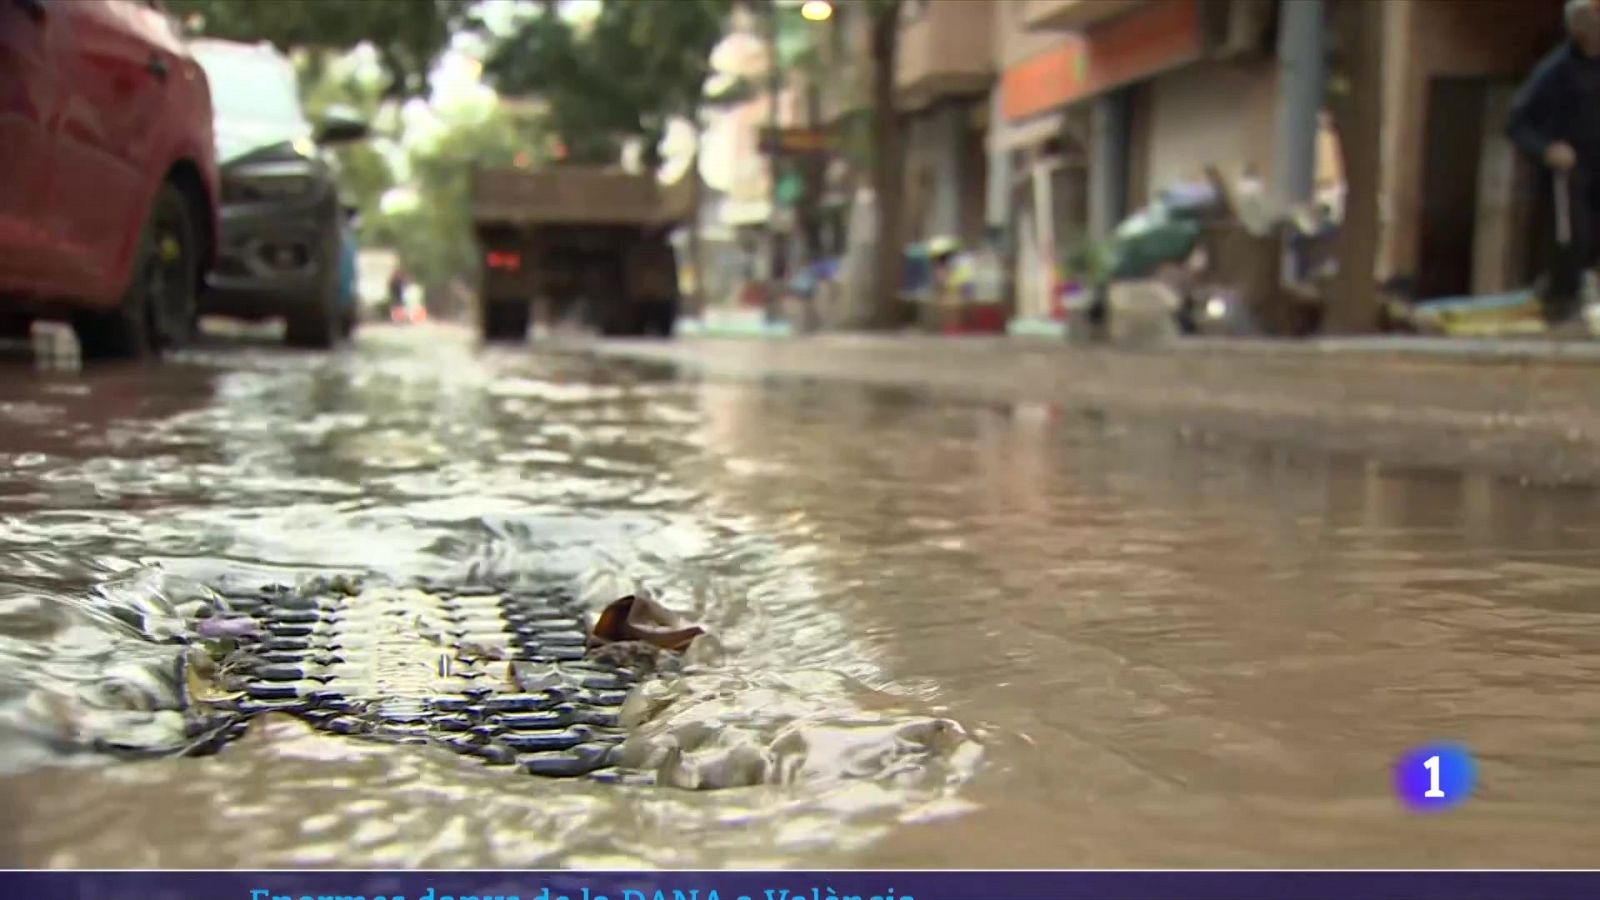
column 434, row 235
column 364, row 173
column 888, row 152
column 409, row 35
column 619, row 77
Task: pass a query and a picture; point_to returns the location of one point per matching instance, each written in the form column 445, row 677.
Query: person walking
column 397, row 294
column 1555, row 121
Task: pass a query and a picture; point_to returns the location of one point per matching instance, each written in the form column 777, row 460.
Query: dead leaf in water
column 639, row 618
column 202, row 680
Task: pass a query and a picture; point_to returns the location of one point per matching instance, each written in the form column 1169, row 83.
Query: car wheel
column 157, row 311
column 319, row 324
column 505, row 320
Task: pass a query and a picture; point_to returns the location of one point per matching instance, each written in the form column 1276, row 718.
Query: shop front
column 1460, row 212
column 1070, row 143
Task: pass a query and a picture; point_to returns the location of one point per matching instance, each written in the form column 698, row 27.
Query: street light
column 816, row 10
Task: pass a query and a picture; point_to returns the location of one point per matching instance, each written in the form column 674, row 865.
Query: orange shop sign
column 1159, row 36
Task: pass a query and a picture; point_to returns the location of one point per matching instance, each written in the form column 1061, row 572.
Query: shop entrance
column 1455, row 130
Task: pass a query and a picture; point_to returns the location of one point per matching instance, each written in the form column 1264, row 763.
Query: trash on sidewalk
column 1268, row 264
column 1142, row 312
column 955, row 289
column 1211, row 254
column 1155, row 236
column 1492, row 315
column 1517, row 312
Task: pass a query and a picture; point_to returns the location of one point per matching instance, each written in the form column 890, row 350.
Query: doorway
column 1453, row 136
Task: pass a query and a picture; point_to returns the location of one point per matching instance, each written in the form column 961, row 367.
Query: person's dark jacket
column 1560, row 101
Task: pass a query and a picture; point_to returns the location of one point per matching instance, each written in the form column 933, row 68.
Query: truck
column 581, row 243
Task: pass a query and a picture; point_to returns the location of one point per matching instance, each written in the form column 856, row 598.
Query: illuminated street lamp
column 816, row 10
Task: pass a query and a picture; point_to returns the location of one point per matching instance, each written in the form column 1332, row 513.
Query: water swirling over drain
column 1181, row 652
column 458, row 472
column 717, row 729
column 812, row 757
column 102, row 672
column 141, row 688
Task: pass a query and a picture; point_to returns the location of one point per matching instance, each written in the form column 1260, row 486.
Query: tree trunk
column 697, row 258
column 1353, row 307
column 887, row 185
column 814, row 169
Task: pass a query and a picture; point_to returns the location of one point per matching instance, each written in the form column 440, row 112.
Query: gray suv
column 282, row 239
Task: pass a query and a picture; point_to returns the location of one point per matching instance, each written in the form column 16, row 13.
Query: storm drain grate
column 499, row 675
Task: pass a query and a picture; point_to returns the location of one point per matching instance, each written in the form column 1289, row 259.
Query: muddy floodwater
column 969, row 635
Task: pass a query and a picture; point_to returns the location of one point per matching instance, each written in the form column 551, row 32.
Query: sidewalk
column 1527, row 409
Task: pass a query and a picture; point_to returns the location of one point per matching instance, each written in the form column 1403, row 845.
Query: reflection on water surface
column 951, row 635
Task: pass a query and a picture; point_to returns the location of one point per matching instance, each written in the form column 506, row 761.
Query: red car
column 108, row 174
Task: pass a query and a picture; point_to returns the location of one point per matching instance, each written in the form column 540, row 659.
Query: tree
column 888, row 152
column 433, row 235
column 800, row 51
column 409, row 35
column 547, row 57
column 639, row 64
column 364, row 172
column 1356, row 104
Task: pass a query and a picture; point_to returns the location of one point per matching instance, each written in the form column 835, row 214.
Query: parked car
column 283, row 235
column 108, row 177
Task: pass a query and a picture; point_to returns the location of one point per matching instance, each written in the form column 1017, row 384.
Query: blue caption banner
column 913, row 885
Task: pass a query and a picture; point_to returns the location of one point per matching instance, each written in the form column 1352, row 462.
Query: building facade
column 1042, row 124
column 1141, row 95
column 943, row 75
column 1457, row 210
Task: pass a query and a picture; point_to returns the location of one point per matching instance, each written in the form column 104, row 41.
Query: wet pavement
column 948, row 633
column 1526, row 410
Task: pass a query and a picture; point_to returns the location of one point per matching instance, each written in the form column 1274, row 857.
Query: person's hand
column 1560, row 156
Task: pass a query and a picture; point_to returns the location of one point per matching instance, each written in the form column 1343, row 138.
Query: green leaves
column 637, row 65
column 409, row 35
column 434, row 237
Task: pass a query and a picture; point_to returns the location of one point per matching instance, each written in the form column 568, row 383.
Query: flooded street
column 974, row 635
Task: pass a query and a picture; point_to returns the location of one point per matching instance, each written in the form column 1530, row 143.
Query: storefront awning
column 1027, row 132
column 1105, row 56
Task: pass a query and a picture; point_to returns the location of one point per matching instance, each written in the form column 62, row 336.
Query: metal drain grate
column 500, row 675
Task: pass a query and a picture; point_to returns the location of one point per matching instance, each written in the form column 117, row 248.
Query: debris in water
column 641, row 657
column 203, row 680
column 638, row 618
column 345, row 585
column 230, row 627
